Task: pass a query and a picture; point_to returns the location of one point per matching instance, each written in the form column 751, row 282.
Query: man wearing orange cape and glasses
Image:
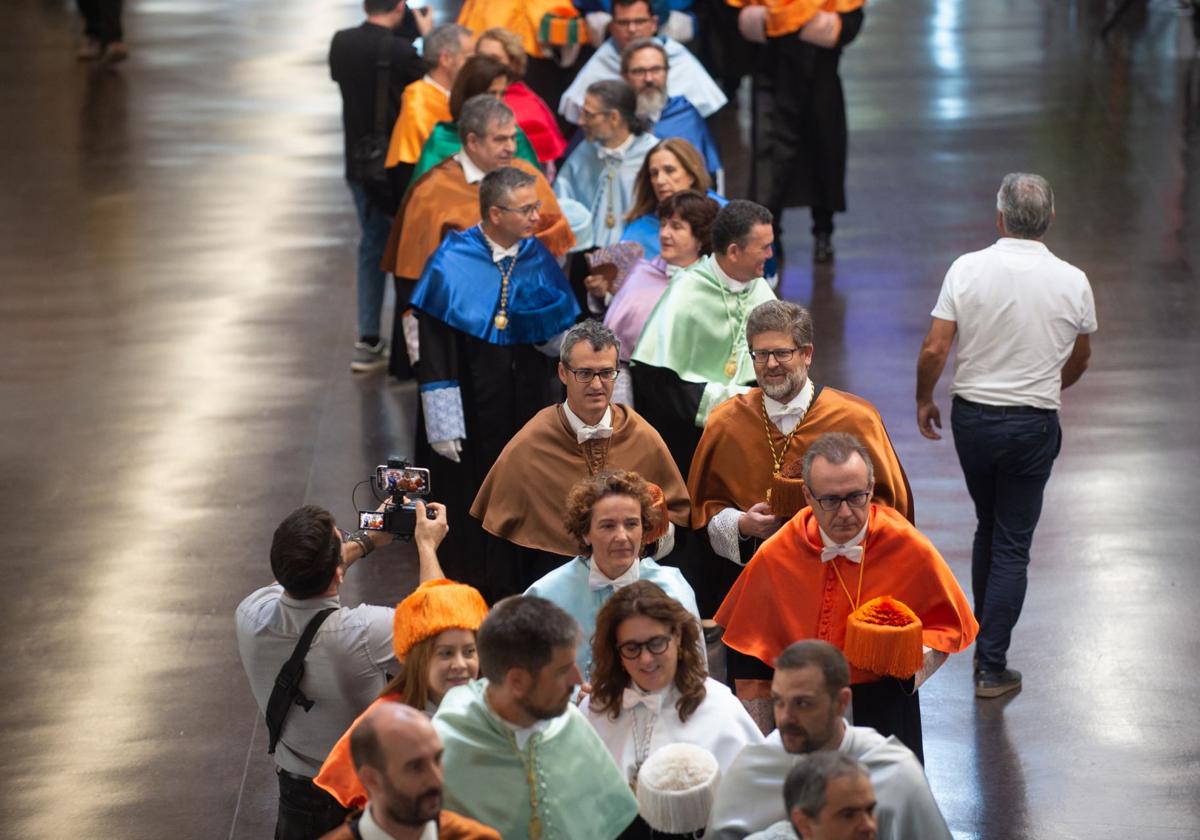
column 859, row 576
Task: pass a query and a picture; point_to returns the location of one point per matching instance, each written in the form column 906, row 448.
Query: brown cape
column 786, row 593
column 523, row 497
column 441, row 200
column 732, row 464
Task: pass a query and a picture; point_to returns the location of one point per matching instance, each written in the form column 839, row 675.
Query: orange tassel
column 658, row 529
column 883, row 636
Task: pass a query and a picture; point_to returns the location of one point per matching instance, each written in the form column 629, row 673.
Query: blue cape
column 681, row 119
column 644, row 229
column 461, row 287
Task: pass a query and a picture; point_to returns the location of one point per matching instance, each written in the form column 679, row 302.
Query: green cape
column 444, row 141
column 581, row 793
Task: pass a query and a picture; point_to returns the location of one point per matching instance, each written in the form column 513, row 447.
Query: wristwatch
column 364, row 541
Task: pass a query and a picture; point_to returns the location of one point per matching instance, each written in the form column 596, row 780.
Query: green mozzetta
column 698, row 327
column 444, row 142
column 580, row 792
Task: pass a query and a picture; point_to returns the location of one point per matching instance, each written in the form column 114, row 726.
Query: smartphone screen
column 406, row 480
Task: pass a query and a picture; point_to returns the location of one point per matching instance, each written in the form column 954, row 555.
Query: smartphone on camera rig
column 398, row 480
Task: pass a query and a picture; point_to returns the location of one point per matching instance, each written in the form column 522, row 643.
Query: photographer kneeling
column 347, row 660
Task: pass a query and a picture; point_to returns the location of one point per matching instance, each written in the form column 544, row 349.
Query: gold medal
column 610, row 220
column 501, row 321
column 730, row 368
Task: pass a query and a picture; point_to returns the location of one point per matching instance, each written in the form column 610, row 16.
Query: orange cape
column 441, row 200
column 338, row 776
column 523, row 497
column 451, row 826
column 732, row 465
column 422, row 106
column 787, row 16
column 522, row 19
column 786, row 593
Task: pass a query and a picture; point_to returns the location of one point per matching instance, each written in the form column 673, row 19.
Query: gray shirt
column 347, row 666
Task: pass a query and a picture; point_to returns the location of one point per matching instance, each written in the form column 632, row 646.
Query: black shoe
column 997, row 683
column 823, row 248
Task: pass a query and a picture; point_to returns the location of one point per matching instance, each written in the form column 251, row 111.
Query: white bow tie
column 632, row 698
column 615, row 155
column 853, row 553
column 586, row 433
column 597, row 580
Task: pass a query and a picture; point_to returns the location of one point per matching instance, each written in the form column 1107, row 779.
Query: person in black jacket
column 354, row 56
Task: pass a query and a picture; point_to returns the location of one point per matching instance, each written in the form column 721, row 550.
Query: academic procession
column 728, row 415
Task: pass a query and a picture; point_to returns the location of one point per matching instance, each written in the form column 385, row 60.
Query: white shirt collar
column 616, row 152
column 576, row 424
column 499, row 252
column 853, row 541
column 598, row 580
column 430, row 80
column 524, row 733
column 1015, row 243
column 370, row 830
column 733, row 285
column 792, row 412
column 472, row 172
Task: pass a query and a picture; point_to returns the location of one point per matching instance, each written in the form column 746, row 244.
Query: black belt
column 1008, row 409
column 295, row 777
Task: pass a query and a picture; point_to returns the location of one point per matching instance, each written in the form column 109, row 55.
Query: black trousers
column 305, row 811
column 102, row 19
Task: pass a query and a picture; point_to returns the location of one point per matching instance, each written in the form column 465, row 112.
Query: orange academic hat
column 883, row 636
column 436, row 605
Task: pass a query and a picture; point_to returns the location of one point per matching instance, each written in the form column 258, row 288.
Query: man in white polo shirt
column 1023, row 319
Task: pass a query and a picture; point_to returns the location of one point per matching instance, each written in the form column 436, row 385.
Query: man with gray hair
column 491, row 304
column 753, row 437
column 833, row 557
column 812, row 746
column 1023, row 319
column 447, row 196
column 521, row 500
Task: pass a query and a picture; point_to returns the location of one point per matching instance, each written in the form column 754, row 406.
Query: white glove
column 449, row 449
column 597, row 24
column 678, row 26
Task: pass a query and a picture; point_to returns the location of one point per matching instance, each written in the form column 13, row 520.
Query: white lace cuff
column 442, row 403
column 723, row 534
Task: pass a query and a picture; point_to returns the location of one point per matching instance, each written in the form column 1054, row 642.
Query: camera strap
column 286, row 691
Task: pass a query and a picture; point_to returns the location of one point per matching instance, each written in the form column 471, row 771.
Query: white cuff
column 679, row 26
column 723, row 535
column 667, row 543
column 443, row 413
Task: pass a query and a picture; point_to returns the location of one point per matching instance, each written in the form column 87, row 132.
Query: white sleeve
column 1087, row 314
column 714, row 394
column 944, row 308
column 723, row 534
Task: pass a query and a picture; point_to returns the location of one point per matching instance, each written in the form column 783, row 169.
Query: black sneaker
column 822, row 248
column 997, row 683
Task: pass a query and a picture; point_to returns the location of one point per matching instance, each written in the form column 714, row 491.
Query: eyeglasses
column 586, row 375
column 857, row 499
column 640, row 72
column 655, row 644
column 783, row 354
column 528, row 211
column 632, row 23
column 591, row 115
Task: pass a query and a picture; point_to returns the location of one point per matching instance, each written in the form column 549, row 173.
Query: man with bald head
column 398, row 757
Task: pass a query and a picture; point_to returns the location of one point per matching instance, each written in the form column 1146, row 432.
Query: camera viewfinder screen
column 409, row 480
column 370, row 520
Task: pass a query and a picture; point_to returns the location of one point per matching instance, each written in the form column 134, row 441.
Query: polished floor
column 176, row 267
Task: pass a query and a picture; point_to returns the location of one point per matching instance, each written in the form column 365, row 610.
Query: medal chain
column 501, row 319
column 530, row 766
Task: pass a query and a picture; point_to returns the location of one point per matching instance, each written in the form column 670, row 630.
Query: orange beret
column 434, row 606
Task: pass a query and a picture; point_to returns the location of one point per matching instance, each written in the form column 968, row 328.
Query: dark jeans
column 102, row 19
column 1006, row 455
column 305, row 811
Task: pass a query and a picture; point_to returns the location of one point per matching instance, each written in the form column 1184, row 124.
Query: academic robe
column 442, row 201
column 687, row 78
column 585, row 177
column 750, row 795
column 679, row 365
column 568, row 586
column 444, row 141
column 537, row 121
column 786, row 593
column 680, row 118
column 720, row 724
column 581, row 794
column 520, row 18
column 477, row 382
column 522, row 498
column 451, row 826
column 799, row 128
column 644, row 231
column 423, row 106
column 635, row 300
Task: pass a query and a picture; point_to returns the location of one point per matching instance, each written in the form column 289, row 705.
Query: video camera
column 399, row 518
